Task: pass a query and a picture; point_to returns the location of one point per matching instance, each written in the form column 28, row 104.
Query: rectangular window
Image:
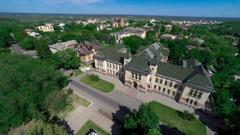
column 155, row 87
column 161, row 81
column 156, row 80
column 136, row 76
column 159, row 88
column 170, row 84
column 195, row 94
column 200, row 95
column 132, row 75
column 165, row 83
column 140, row 77
column 191, row 92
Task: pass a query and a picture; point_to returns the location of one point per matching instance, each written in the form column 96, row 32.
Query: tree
column 42, row 128
column 24, row 85
column 153, row 131
column 134, row 43
column 223, row 105
column 28, row 43
column 144, row 121
column 66, row 59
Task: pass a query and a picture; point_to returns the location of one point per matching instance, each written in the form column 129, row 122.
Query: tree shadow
column 210, row 120
column 166, row 130
column 63, row 123
column 118, row 118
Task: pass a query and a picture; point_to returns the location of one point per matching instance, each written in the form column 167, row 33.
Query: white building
column 46, row 28
column 168, row 37
column 129, row 32
column 63, row 46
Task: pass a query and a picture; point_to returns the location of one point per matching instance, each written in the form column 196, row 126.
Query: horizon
column 184, row 8
column 118, row 15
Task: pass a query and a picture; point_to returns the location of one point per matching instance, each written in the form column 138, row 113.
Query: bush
column 186, row 115
column 94, row 78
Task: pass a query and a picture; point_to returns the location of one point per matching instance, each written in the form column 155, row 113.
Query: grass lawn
column 100, row 85
column 90, row 125
column 170, row 117
column 80, row 100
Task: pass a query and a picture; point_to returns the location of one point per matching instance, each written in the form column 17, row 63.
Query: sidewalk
column 145, row 97
column 78, row 117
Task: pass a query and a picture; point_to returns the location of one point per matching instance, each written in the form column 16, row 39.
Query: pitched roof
column 114, row 53
column 196, row 76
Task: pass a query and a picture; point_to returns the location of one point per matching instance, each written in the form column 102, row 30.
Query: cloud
column 80, row 2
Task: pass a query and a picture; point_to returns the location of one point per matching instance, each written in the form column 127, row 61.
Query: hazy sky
column 219, row 8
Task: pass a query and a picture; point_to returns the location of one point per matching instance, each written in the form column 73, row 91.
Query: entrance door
column 135, row 85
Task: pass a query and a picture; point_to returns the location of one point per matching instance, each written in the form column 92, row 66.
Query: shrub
column 94, row 78
column 186, row 115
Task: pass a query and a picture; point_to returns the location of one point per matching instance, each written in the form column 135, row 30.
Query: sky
column 205, row 8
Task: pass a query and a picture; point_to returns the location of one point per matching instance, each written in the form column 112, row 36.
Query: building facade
column 127, row 32
column 46, row 28
column 87, row 51
column 149, row 71
column 63, row 46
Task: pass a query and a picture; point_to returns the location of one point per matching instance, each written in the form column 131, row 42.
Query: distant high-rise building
column 120, row 22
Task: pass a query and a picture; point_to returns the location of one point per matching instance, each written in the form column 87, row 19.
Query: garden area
column 184, row 122
column 90, row 125
column 97, row 83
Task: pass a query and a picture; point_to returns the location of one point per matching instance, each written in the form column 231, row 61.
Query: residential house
column 87, row 51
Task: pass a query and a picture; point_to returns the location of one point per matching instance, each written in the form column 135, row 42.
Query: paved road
column 107, row 102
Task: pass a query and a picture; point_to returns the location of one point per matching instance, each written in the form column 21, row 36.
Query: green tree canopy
column 143, row 121
column 24, row 85
column 66, row 59
column 134, row 43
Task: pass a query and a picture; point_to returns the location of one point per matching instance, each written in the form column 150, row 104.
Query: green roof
column 114, row 53
column 196, row 76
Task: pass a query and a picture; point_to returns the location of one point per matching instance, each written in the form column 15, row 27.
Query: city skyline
column 204, row 8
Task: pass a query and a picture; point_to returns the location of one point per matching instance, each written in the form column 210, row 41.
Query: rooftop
column 63, row 45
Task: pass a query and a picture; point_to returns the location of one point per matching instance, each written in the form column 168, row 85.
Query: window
column 165, row 83
column 136, row 76
column 195, row 103
column 132, row 75
column 187, row 100
column 156, row 80
column 173, row 93
column 175, row 86
column 200, row 95
column 150, row 79
column 159, row 88
column 155, row 87
column 191, row 101
column 113, row 66
column 161, row 81
column 195, row 94
column 168, row 91
column 191, row 92
column 140, row 77
column 164, row 90
column 170, row 84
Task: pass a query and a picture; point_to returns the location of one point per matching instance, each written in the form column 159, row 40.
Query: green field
column 90, row 125
column 100, row 85
column 171, row 118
